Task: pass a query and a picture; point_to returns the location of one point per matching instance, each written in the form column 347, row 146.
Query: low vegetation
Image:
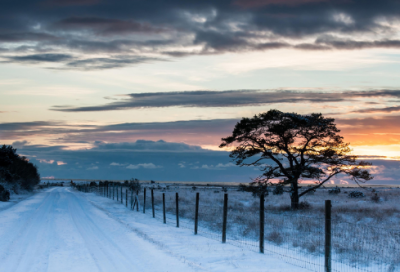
column 365, row 226
column 16, row 172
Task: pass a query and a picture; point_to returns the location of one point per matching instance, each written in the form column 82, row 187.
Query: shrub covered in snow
column 356, row 194
column 134, row 185
column 334, row 191
column 4, row 194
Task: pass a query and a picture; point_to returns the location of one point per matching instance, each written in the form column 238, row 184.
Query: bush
column 134, row 185
column 356, row 194
column 16, row 169
column 4, row 194
column 334, row 191
column 255, row 188
column 304, row 205
column 278, row 190
column 375, row 198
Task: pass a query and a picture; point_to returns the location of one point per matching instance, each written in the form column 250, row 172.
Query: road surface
column 60, row 229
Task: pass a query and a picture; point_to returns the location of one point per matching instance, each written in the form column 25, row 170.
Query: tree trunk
column 294, row 197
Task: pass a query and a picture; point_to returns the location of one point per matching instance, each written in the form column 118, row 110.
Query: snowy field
column 61, row 229
column 365, row 233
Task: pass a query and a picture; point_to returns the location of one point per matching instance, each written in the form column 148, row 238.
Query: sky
column 147, row 89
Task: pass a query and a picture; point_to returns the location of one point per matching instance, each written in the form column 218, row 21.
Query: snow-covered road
column 64, row 230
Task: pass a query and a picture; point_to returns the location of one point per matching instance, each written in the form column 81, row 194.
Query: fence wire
column 360, row 247
column 295, row 237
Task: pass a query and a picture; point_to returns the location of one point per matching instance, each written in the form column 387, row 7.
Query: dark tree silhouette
column 293, row 147
column 17, row 169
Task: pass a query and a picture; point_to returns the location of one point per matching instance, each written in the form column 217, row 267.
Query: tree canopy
column 16, row 169
column 291, row 147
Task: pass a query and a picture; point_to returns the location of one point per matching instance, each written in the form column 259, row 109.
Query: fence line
column 316, row 243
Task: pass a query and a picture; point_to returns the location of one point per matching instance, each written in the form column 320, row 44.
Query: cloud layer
column 158, row 162
column 231, row 98
column 105, row 34
column 372, row 131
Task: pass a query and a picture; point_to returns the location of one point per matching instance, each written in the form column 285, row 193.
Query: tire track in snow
column 161, row 246
column 60, row 230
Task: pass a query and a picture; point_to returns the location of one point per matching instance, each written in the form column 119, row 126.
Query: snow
column 60, row 229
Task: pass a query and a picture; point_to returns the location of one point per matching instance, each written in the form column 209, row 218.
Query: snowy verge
column 199, row 252
column 16, row 198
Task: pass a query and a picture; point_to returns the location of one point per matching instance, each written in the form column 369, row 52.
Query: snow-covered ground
column 14, row 199
column 60, row 229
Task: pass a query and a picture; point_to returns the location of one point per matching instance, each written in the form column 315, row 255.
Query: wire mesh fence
column 360, row 247
column 299, row 238
column 296, row 238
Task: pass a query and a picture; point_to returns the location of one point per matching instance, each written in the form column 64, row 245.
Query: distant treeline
column 17, row 170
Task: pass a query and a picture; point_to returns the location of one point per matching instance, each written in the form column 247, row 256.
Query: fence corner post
column 328, row 236
column 196, row 216
column 163, row 206
column 262, row 222
column 225, row 218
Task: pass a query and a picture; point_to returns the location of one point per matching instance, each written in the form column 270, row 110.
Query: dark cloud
column 41, row 58
column 63, row 3
column 107, row 63
column 349, row 44
column 71, row 62
column 104, row 26
column 147, row 146
column 374, row 110
column 263, row 3
column 26, row 37
column 380, row 130
column 227, row 99
column 173, row 27
column 192, row 131
column 16, row 126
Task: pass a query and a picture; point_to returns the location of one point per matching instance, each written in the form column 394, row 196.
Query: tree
column 16, row 169
column 291, row 147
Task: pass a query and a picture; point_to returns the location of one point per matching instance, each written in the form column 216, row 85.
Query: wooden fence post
column 328, row 236
column 137, row 200
column 132, row 200
column 116, row 189
column 126, row 196
column 177, row 209
column 144, row 200
column 262, row 220
column 113, row 189
column 163, row 205
column 196, row 216
column 107, row 190
column 225, row 217
column 122, row 196
column 152, row 202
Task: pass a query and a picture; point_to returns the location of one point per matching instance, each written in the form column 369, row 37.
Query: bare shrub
column 375, row 198
column 334, row 191
column 304, row 205
column 275, row 237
